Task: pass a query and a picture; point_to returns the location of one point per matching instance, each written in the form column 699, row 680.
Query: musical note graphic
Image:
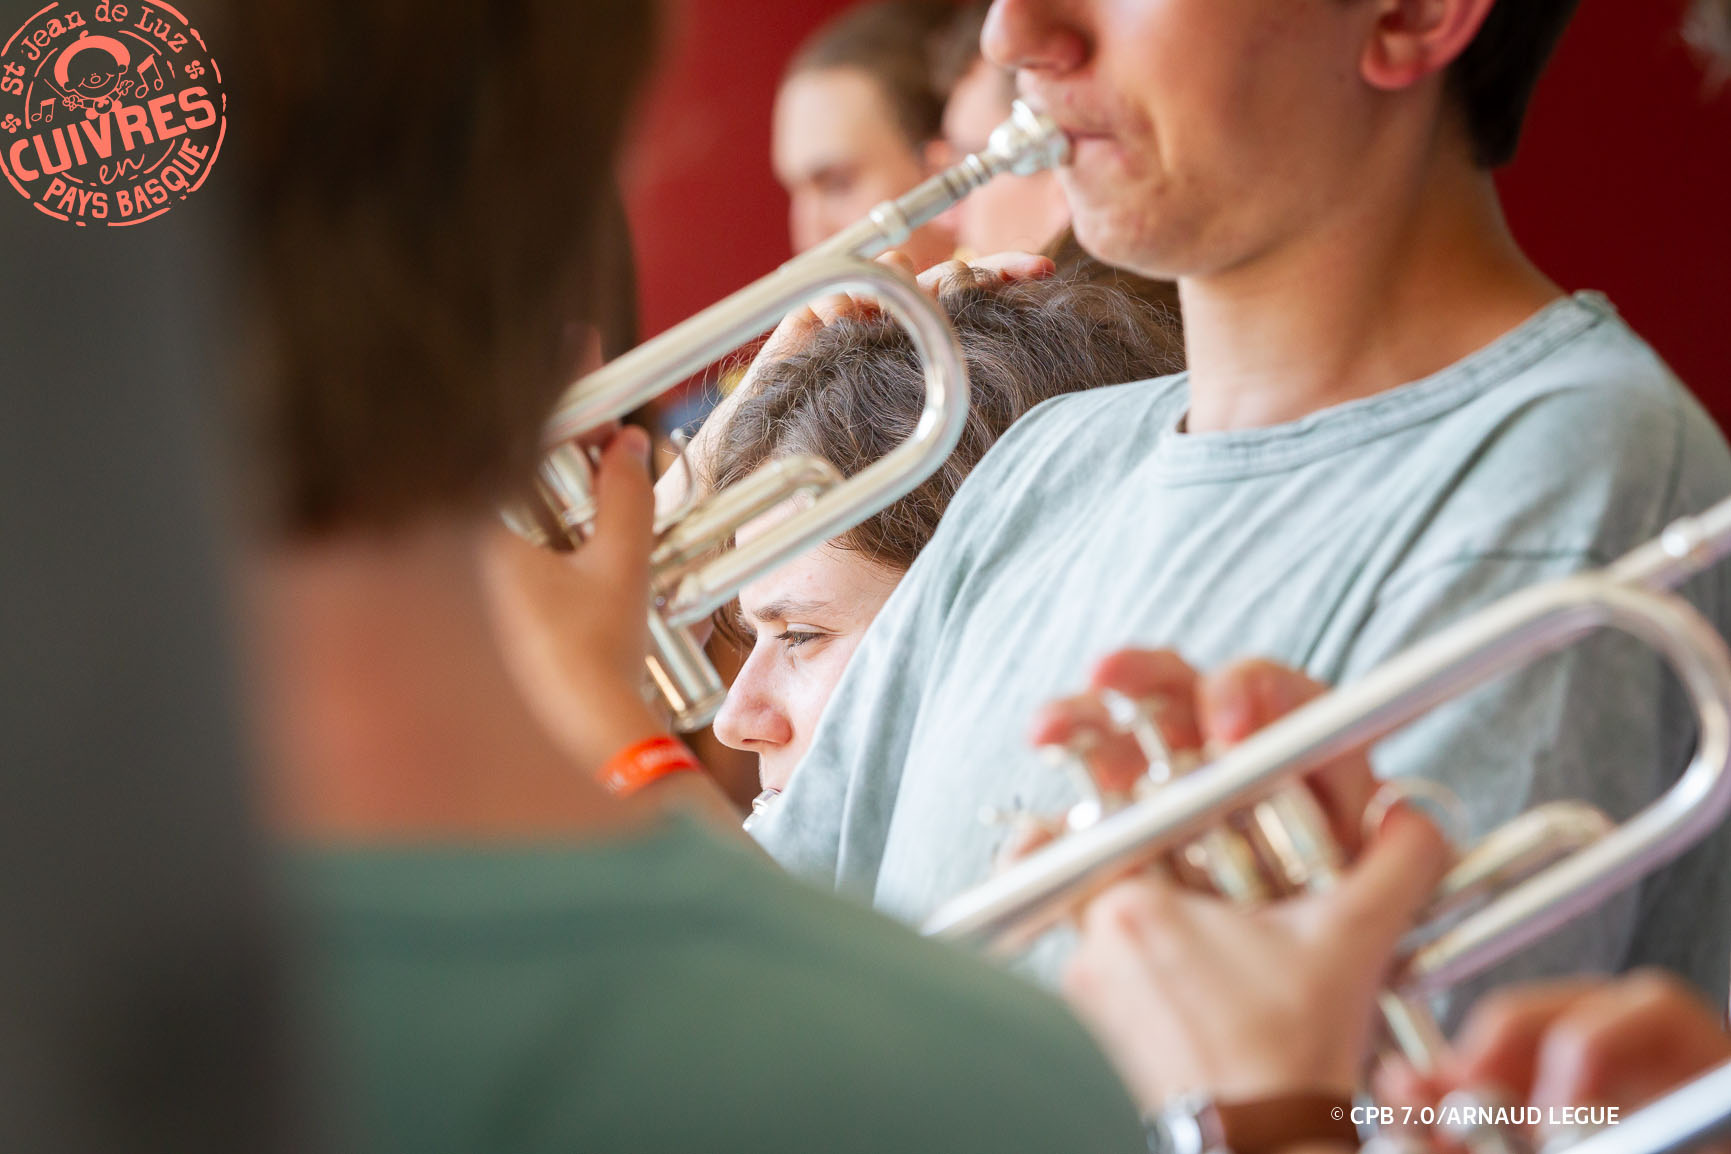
column 155, row 73
column 39, row 116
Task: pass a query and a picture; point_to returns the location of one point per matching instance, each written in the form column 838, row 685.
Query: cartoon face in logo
column 154, row 112
column 92, row 71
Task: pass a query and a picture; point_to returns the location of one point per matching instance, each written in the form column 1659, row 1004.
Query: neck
column 1399, row 283
column 390, row 713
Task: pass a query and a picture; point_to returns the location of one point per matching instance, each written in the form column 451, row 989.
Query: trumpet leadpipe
column 1026, row 143
column 695, row 569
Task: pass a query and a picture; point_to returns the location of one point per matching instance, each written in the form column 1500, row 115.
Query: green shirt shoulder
column 670, row 992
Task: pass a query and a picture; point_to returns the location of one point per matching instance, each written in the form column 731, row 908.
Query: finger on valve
column 1084, row 733
column 1246, row 696
column 1617, row 1041
column 1135, row 729
column 625, row 510
column 1149, row 697
column 1163, row 684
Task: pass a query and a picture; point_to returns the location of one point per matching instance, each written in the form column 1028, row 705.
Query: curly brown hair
column 857, row 391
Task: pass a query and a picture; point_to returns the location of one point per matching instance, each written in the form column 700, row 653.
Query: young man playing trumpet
column 1265, row 1002
column 1390, row 417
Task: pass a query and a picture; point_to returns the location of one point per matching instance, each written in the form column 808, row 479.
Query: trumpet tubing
column 695, row 571
column 1572, row 859
column 1245, row 827
column 1689, row 1116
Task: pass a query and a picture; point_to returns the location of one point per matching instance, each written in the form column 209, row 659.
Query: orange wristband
column 644, row 763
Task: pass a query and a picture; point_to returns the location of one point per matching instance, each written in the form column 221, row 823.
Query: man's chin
column 1110, row 238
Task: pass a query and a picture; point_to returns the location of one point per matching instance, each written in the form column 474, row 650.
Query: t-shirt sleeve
column 831, row 823
column 1603, row 721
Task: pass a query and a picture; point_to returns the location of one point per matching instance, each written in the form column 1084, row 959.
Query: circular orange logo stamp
column 110, row 114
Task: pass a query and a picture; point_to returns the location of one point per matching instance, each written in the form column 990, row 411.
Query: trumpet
column 694, row 572
column 1688, row 1116
column 1627, row 596
column 1252, row 832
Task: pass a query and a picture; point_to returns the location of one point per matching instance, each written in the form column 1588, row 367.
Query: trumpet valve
column 567, row 484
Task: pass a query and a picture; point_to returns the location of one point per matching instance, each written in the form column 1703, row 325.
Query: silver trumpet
column 1243, row 824
column 1694, row 1113
column 694, row 572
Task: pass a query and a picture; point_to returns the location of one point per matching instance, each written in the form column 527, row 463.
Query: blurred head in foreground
column 420, row 229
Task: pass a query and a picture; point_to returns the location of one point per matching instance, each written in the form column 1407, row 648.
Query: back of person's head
column 957, row 50
column 1709, row 30
column 419, row 204
column 892, row 42
column 1492, row 82
column 857, row 390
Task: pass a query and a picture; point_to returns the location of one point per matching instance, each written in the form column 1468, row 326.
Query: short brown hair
column 891, row 41
column 954, row 53
column 1709, row 31
column 419, row 198
column 1492, row 82
column 856, row 391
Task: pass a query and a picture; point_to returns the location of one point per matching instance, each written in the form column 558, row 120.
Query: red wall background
column 1624, row 181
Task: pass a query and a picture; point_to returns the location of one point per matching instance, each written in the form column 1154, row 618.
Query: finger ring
column 1437, row 802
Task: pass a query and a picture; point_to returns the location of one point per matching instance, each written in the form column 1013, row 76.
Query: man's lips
column 1085, row 132
column 1078, row 122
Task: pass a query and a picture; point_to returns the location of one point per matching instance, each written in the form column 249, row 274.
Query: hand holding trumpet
column 1603, row 1042
column 1190, row 993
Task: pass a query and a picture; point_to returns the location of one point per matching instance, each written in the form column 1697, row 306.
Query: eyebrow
column 830, row 170
column 783, row 610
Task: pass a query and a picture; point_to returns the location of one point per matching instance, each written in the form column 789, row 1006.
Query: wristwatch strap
column 1266, row 1125
column 1199, row 1125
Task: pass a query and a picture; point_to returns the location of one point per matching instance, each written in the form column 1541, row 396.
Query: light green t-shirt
column 672, row 993
column 1329, row 543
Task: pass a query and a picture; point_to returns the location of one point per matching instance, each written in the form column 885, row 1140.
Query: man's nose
column 1033, row 35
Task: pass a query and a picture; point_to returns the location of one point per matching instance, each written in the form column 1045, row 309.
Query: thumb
column 898, row 259
column 1392, row 880
column 625, row 511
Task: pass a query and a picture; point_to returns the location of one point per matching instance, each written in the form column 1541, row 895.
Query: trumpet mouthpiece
column 1026, row 143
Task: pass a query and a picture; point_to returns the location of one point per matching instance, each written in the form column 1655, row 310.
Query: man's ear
column 1413, row 39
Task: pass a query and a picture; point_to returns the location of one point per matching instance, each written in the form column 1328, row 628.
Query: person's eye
column 836, row 182
column 793, row 637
